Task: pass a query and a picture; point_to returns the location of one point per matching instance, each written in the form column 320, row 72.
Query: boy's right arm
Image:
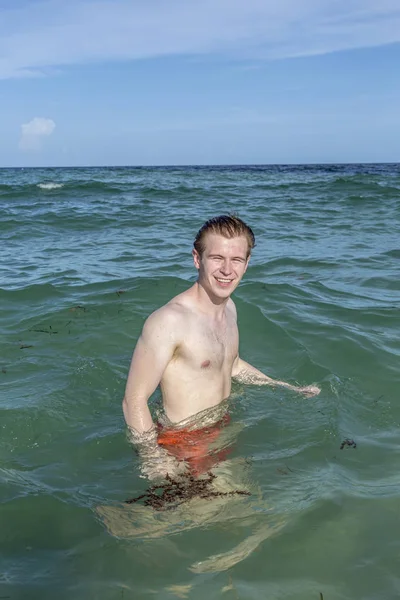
column 153, row 352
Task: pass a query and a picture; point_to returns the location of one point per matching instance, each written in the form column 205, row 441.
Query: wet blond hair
column 229, row 226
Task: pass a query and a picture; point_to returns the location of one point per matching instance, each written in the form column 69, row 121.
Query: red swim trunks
column 193, row 445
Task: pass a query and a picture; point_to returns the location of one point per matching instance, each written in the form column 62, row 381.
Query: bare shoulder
column 169, row 320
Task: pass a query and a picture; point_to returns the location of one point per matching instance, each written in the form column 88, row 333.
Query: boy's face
column 222, row 264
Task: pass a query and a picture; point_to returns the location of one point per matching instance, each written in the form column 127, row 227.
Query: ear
column 196, row 258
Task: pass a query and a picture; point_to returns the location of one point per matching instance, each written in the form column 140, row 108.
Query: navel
column 205, row 364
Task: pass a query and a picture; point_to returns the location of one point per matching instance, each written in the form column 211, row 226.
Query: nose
column 226, row 267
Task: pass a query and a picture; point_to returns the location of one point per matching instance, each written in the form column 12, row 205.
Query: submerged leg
column 183, row 504
column 226, row 560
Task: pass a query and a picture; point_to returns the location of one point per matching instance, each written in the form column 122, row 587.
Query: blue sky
column 154, row 82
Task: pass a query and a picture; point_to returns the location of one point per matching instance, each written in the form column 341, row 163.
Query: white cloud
column 33, row 132
column 48, row 33
column 38, row 126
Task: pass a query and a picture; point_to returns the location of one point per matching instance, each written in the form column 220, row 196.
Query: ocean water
column 86, row 255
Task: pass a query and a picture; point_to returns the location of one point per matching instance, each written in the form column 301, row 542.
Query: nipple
column 205, row 364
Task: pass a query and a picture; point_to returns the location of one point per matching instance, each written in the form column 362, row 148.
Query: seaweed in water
column 349, row 443
column 177, row 491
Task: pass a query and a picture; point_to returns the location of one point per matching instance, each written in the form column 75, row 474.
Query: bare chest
column 210, row 348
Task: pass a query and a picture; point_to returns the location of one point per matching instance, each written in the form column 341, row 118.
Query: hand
column 309, row 390
column 158, row 464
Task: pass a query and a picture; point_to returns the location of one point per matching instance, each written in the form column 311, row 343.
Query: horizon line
column 204, row 165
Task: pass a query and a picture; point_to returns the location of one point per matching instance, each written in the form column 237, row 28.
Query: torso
column 199, row 375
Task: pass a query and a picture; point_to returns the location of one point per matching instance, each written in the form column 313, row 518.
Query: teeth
column 223, row 280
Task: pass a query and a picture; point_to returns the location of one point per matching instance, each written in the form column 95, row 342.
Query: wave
column 357, row 187
column 50, row 186
column 32, row 293
column 395, row 253
column 29, row 189
column 140, row 286
column 363, row 183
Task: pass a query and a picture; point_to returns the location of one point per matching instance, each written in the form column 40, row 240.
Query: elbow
column 132, row 406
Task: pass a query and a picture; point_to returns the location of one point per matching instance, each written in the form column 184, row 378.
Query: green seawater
column 86, row 255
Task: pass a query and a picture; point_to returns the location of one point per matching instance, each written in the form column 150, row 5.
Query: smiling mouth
column 224, row 281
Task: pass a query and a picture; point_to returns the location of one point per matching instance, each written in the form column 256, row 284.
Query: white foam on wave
column 50, row 186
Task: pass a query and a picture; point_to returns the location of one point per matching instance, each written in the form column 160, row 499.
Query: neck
column 209, row 303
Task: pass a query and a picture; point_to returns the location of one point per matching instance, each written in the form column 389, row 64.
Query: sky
column 177, row 82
